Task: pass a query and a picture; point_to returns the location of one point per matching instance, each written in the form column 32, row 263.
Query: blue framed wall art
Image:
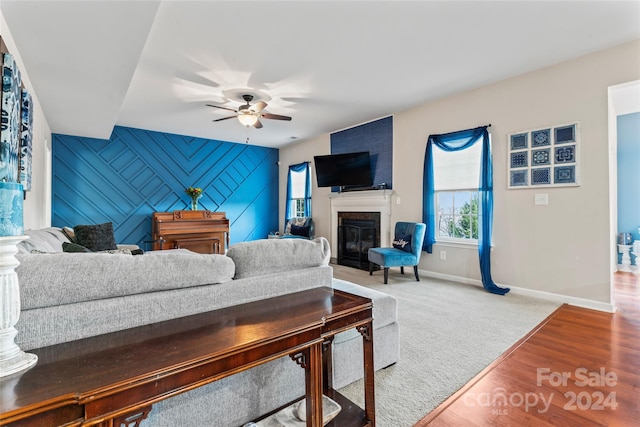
column 544, row 157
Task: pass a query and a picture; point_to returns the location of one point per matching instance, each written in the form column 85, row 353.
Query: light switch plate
column 542, row 199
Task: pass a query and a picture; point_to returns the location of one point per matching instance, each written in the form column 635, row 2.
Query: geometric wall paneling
column 544, row 157
column 137, row 172
column 375, row 137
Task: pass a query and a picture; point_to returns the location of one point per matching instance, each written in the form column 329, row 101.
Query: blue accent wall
column 628, row 178
column 137, row 172
column 375, row 137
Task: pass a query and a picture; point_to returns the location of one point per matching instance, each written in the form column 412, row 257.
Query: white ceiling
column 330, row 65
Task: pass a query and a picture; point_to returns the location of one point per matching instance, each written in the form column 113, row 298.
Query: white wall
column 37, row 206
column 562, row 248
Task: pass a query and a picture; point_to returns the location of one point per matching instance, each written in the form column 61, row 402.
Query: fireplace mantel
column 361, row 201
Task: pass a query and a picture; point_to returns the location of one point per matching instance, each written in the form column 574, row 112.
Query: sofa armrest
column 266, row 256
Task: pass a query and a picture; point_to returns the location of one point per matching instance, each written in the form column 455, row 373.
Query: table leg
column 366, row 331
column 313, row 385
column 327, row 364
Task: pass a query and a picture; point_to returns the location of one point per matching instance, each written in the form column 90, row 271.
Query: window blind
column 298, row 181
column 455, row 170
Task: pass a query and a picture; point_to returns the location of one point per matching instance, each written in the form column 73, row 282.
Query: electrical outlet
column 443, row 255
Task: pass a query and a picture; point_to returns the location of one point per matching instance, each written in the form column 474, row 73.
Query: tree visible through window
column 457, row 214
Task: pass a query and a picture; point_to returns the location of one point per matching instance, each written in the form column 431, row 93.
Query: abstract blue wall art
column 564, row 175
column 566, row 154
column 552, row 146
column 137, row 172
column 11, row 209
column 564, row 134
column 26, row 137
column 520, row 159
column 519, row 141
column 540, row 138
column 519, row 178
column 10, row 127
column 540, row 176
column 540, row 157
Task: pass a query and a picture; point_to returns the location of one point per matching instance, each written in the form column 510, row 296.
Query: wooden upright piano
column 202, row 231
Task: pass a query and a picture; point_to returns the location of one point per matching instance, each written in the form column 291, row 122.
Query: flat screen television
column 344, row 170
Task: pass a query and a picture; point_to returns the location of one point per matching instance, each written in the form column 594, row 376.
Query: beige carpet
column 449, row 332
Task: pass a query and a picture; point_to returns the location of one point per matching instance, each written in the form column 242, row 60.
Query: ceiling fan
column 249, row 115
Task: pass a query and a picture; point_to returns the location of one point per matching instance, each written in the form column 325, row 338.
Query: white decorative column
column 626, row 259
column 12, row 358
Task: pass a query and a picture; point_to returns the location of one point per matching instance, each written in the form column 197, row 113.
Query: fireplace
column 357, row 233
column 358, row 205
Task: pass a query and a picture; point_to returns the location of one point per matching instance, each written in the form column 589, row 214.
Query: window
column 456, row 180
column 298, row 183
column 298, row 191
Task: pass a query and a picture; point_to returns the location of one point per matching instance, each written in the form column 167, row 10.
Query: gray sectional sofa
column 67, row 296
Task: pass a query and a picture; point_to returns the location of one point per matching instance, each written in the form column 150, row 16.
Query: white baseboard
column 549, row 296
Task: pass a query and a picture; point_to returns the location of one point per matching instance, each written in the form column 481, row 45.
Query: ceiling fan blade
column 224, row 118
column 259, row 106
column 275, row 116
column 257, row 124
column 224, row 108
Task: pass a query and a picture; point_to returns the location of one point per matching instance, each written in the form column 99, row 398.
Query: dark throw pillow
column 300, row 230
column 73, row 247
column 402, row 241
column 96, row 237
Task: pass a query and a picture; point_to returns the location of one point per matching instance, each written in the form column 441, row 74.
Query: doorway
column 623, row 99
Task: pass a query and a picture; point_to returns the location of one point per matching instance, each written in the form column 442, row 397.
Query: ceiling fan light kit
column 249, row 115
column 247, row 119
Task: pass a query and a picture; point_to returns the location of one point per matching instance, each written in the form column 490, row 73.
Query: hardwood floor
column 578, row 368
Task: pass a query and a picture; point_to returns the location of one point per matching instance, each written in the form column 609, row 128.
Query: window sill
column 459, row 244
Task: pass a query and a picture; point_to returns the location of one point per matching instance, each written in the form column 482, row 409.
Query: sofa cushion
column 267, row 256
column 73, row 247
column 300, row 230
column 48, row 239
column 52, row 279
column 98, row 237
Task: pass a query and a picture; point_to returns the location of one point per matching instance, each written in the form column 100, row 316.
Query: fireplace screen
column 356, row 236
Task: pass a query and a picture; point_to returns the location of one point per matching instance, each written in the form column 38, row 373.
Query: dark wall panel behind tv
column 375, row 137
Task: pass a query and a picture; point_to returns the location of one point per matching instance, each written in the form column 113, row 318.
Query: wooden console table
column 204, row 231
column 113, row 380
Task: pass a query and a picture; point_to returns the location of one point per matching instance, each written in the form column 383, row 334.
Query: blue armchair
column 406, row 250
column 301, row 227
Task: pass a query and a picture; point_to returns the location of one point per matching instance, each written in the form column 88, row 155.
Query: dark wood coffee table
column 114, row 379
